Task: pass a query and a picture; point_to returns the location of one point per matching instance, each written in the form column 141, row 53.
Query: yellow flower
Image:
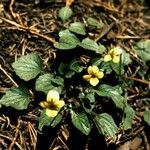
column 113, row 55
column 93, row 76
column 53, row 103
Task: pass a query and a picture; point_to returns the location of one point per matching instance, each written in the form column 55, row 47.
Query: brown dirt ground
column 33, row 25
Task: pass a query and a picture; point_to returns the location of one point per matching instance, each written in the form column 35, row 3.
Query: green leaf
column 117, row 67
column 18, row 98
column 75, row 66
column 102, row 48
column 43, row 83
column 57, row 120
column 64, row 46
column 96, row 61
column 81, row 122
column 128, row 117
column 147, row 117
column 90, row 97
column 78, row 28
column 106, row 125
column 107, row 67
column 65, row 13
column 141, row 72
column 95, row 23
column 112, row 92
column 58, row 80
column 89, row 44
column 143, row 49
column 69, row 74
column 44, row 120
column 47, row 82
column 125, row 58
column 28, row 67
column 67, row 40
column 66, row 32
column 62, row 68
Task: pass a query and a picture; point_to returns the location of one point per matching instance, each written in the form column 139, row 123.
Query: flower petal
column 100, row 75
column 107, row 58
column 52, row 96
column 51, row 113
column 44, row 104
column 94, row 81
column 59, row 104
column 87, row 77
column 111, row 52
column 90, row 70
column 117, row 51
column 116, row 59
column 95, row 69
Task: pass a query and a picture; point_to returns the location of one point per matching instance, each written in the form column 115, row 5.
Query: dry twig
column 28, row 30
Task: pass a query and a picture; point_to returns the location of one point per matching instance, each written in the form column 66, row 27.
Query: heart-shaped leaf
column 47, row 82
column 44, row 120
column 65, row 13
column 128, row 117
column 89, row 44
column 92, row 22
column 112, row 92
column 67, row 41
column 78, row 28
column 18, row 98
column 28, row 67
column 76, row 66
column 106, row 125
column 143, row 49
column 81, row 122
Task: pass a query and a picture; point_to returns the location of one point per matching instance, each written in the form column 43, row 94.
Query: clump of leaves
column 29, row 67
column 87, row 79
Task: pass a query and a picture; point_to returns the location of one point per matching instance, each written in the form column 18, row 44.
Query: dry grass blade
column 33, row 135
column 28, row 29
column 15, row 136
column 11, row 79
column 10, row 138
